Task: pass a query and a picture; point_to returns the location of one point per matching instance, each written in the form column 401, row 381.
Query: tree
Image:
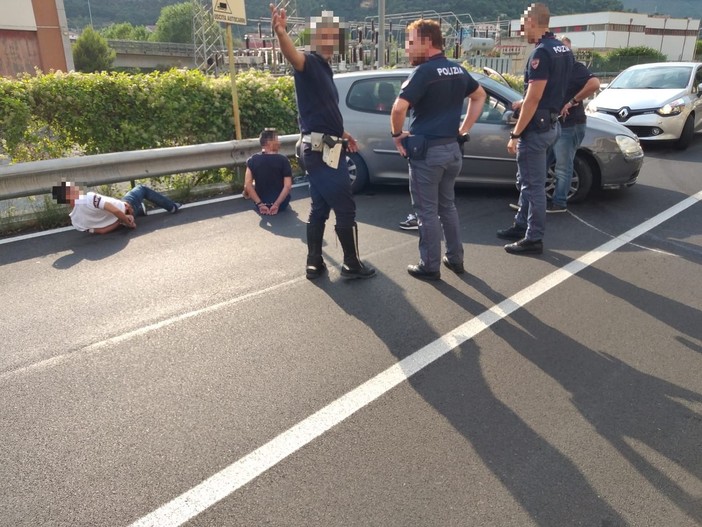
column 125, row 31
column 175, row 24
column 91, row 52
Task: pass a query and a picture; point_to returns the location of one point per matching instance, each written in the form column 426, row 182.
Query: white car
column 658, row 102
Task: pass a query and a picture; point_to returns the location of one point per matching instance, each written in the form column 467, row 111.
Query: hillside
column 674, row 8
column 146, row 12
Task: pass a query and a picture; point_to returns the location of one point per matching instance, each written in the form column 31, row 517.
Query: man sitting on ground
column 268, row 177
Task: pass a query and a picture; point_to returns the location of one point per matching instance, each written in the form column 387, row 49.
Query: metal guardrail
column 37, row 177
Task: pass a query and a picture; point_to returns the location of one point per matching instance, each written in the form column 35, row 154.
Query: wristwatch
column 398, row 134
column 512, row 135
column 573, row 102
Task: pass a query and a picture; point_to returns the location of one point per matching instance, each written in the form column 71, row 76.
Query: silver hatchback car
column 658, row 102
column 610, row 156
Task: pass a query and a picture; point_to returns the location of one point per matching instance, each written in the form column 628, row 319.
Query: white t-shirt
column 88, row 211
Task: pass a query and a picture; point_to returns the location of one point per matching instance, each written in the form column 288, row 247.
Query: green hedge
column 59, row 115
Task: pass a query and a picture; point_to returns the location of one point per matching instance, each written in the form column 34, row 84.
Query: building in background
column 33, row 35
column 608, row 30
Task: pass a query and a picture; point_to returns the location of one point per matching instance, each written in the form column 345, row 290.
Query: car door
column 485, row 156
column 697, row 99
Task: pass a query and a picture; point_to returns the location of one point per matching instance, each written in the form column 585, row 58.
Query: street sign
column 229, row 11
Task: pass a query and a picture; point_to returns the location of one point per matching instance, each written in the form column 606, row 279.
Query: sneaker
column 176, row 208
column 514, row 206
column 552, row 208
column 410, row 224
column 515, row 232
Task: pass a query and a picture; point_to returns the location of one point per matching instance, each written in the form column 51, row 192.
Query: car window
column 374, row 95
column 493, row 109
column 674, row 77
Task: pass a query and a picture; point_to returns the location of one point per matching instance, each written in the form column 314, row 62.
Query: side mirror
column 699, row 89
column 509, row 118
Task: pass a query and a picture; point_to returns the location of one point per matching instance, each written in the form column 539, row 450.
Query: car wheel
column 687, row 134
column 580, row 183
column 358, row 172
column 582, row 171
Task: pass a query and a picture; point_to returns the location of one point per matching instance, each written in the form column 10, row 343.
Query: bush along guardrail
column 57, row 115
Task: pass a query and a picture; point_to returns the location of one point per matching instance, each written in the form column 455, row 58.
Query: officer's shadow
column 531, row 468
column 94, row 247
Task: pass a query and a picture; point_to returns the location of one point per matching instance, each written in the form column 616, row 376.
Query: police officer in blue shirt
column 546, row 79
column 323, row 142
column 435, row 91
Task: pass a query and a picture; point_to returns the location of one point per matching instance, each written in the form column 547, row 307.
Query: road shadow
column 93, row 248
column 635, row 412
column 532, row 469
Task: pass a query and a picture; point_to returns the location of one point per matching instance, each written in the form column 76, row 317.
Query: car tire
column 687, row 134
column 358, row 172
column 580, row 184
column 583, row 172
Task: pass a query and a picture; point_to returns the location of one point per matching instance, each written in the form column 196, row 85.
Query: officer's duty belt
column 326, row 138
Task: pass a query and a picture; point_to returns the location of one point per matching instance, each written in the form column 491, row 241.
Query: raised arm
column 279, row 20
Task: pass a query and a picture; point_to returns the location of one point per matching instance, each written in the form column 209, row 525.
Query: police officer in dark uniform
column 323, row 142
column 546, row 79
column 435, row 91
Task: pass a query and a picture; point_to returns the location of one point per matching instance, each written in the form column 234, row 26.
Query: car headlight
column 630, row 147
column 591, row 109
column 672, row 108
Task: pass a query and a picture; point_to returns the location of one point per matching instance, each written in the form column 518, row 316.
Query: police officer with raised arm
column 323, row 142
column 435, row 91
column 545, row 79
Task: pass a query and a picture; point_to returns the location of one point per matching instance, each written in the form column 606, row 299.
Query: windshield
column 673, row 77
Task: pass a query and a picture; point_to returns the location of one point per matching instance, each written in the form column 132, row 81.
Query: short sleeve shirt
column 88, row 211
column 318, row 98
column 269, row 172
column 435, row 91
column 551, row 61
column 578, row 79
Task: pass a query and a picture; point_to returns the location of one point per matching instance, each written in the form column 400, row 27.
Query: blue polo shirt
column 436, row 90
column 552, row 61
column 317, row 98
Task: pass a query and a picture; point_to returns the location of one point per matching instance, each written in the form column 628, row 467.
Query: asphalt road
column 188, row 373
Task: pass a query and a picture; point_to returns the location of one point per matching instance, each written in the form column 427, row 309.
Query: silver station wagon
column 609, row 158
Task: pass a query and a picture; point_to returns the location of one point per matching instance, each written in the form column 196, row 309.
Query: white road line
column 590, row 225
column 60, row 359
column 223, row 483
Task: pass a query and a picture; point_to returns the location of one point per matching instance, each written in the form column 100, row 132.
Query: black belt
column 442, row 141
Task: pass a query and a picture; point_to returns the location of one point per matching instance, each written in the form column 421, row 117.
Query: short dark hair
column 268, row 134
column 428, row 29
column 58, row 192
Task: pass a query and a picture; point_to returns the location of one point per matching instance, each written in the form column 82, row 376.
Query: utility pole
column 381, row 33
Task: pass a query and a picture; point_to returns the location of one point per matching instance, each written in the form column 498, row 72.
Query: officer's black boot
column 315, row 264
column 353, row 267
